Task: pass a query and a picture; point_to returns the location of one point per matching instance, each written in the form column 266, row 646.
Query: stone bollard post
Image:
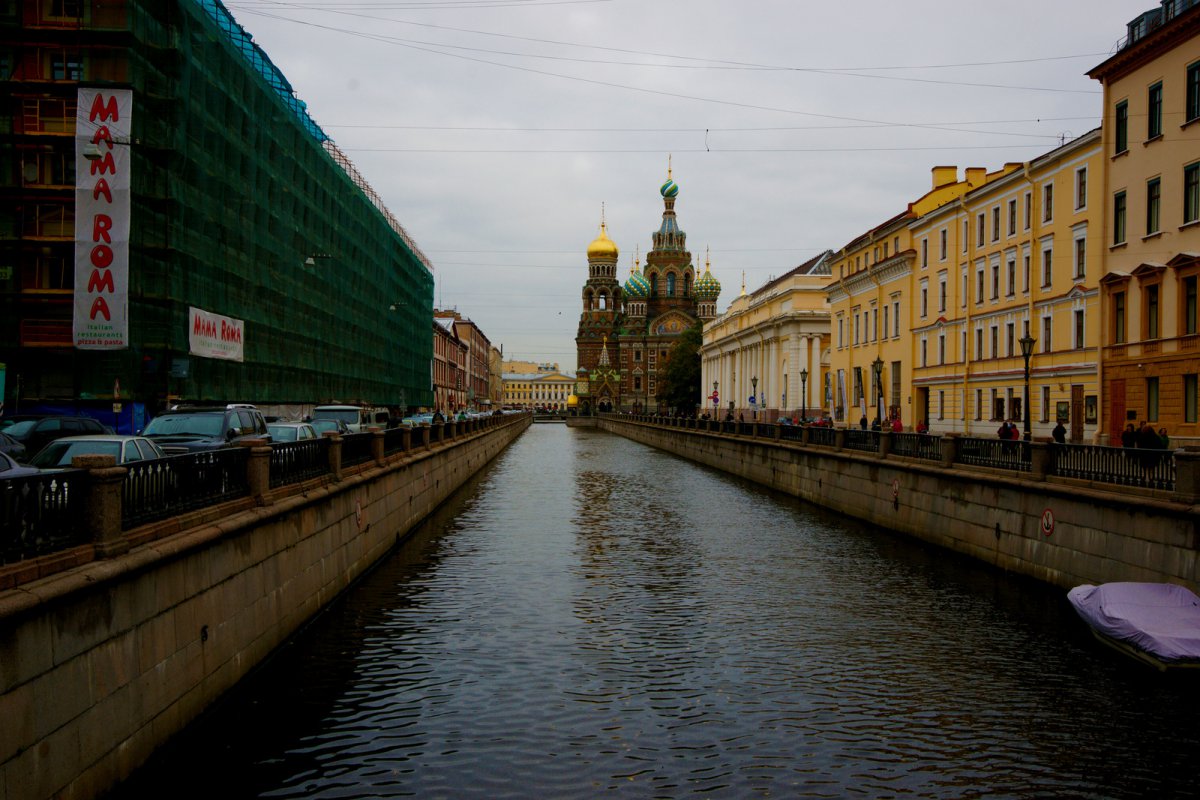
column 949, row 443
column 258, row 470
column 335, row 454
column 804, row 436
column 102, row 506
column 449, row 430
column 1041, row 460
column 426, row 436
column 376, row 445
column 1187, row 475
column 406, row 439
column 839, row 438
column 885, row 443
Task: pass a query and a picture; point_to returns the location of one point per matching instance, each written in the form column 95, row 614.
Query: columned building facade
column 772, row 346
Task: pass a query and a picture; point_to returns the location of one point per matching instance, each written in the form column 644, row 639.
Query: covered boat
column 1158, row 623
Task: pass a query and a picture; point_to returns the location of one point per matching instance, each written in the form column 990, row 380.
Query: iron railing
column 820, row 435
column 1124, row 466
column 917, row 445
column 356, row 449
column 393, row 440
column 292, row 462
column 866, row 441
column 41, row 514
column 164, row 487
column 994, row 453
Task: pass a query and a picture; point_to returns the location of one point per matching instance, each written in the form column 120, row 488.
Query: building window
column 841, row 332
column 1154, row 111
column 942, row 235
column 997, row 406
column 996, row 281
column 979, row 228
column 66, row 67
column 1153, row 204
column 924, row 300
column 924, row 253
column 1081, row 188
column 1189, row 305
column 1047, row 329
column 942, row 292
column 1152, row 312
column 979, row 285
column 1045, row 403
column 1078, row 329
column 1012, row 277
column 885, row 322
column 1012, row 217
column 924, row 352
column 1152, row 399
column 670, row 284
column 1191, row 193
column 1025, row 277
column 1121, row 128
column 979, row 344
column 979, row 404
column 1028, row 209
column 941, row 404
column 1080, row 257
column 895, row 317
column 1189, row 398
column 1193, row 91
column 995, row 341
column 1010, row 338
column 1048, row 202
column 996, row 224
column 941, row 348
column 1118, row 317
column 965, row 237
column 637, row 355
column 1119, row 218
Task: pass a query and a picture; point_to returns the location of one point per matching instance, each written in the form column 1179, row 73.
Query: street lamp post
column 716, row 399
column 877, row 365
column 804, row 395
column 1027, row 343
column 754, row 397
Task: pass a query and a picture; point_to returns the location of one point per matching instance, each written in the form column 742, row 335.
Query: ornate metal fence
column 393, row 440
column 40, row 514
column 994, row 453
column 1153, row 469
column 917, row 445
column 791, row 433
column 292, row 462
column 857, row 439
column 158, row 489
column 356, row 448
column 827, row 437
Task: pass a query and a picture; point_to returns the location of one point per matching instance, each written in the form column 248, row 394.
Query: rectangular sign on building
column 214, row 336
column 102, row 190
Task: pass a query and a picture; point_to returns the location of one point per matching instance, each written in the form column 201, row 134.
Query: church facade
column 626, row 330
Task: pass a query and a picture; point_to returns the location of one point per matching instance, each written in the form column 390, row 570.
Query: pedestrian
column 1060, row 433
column 897, row 425
column 1129, row 436
column 1166, row 440
column 922, row 427
column 875, row 424
column 862, row 423
column 1148, row 445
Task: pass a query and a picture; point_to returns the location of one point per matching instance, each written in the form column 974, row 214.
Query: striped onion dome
column 707, row 287
column 669, row 189
column 636, row 285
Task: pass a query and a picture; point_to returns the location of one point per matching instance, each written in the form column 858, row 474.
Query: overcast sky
column 495, row 130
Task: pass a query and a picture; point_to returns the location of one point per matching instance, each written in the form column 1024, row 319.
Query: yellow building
column 871, row 305
column 772, row 346
column 1151, row 225
column 539, row 389
column 1016, row 258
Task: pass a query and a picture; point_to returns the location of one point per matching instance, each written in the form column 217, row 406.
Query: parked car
column 321, row 426
column 36, row 432
column 192, row 429
column 356, row 418
column 291, row 431
column 9, row 468
column 59, row 453
column 12, row 447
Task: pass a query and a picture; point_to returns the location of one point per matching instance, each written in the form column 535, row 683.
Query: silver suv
column 191, row 429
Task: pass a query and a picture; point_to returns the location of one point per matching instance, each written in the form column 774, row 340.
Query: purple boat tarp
column 1162, row 619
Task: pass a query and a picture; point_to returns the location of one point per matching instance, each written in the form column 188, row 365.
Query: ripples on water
column 595, row 618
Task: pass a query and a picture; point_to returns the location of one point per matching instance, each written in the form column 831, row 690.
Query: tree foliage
column 679, row 379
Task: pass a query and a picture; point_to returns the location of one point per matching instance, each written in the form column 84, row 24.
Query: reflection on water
column 595, row 618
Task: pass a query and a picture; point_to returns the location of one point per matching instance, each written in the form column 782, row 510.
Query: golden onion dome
column 572, row 400
column 602, row 246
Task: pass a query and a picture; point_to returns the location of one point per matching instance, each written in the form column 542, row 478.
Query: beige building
column 1151, row 224
column 1014, row 258
column 772, row 345
column 538, row 389
column 877, row 296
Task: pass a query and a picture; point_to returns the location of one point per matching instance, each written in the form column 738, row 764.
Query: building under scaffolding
column 240, row 208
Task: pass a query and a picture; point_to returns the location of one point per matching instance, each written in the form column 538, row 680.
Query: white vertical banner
column 102, row 192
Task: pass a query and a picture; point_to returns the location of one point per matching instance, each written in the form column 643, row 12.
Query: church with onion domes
column 626, row 330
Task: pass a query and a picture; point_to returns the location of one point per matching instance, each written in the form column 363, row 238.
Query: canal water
column 593, row 618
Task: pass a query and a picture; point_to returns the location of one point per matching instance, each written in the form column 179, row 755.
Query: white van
column 356, row 418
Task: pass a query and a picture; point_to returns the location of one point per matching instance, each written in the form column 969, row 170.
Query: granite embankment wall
column 1097, row 534
column 101, row 664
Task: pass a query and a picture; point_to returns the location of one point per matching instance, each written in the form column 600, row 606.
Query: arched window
column 687, row 285
column 670, row 284
column 654, row 284
column 603, row 301
column 587, row 300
